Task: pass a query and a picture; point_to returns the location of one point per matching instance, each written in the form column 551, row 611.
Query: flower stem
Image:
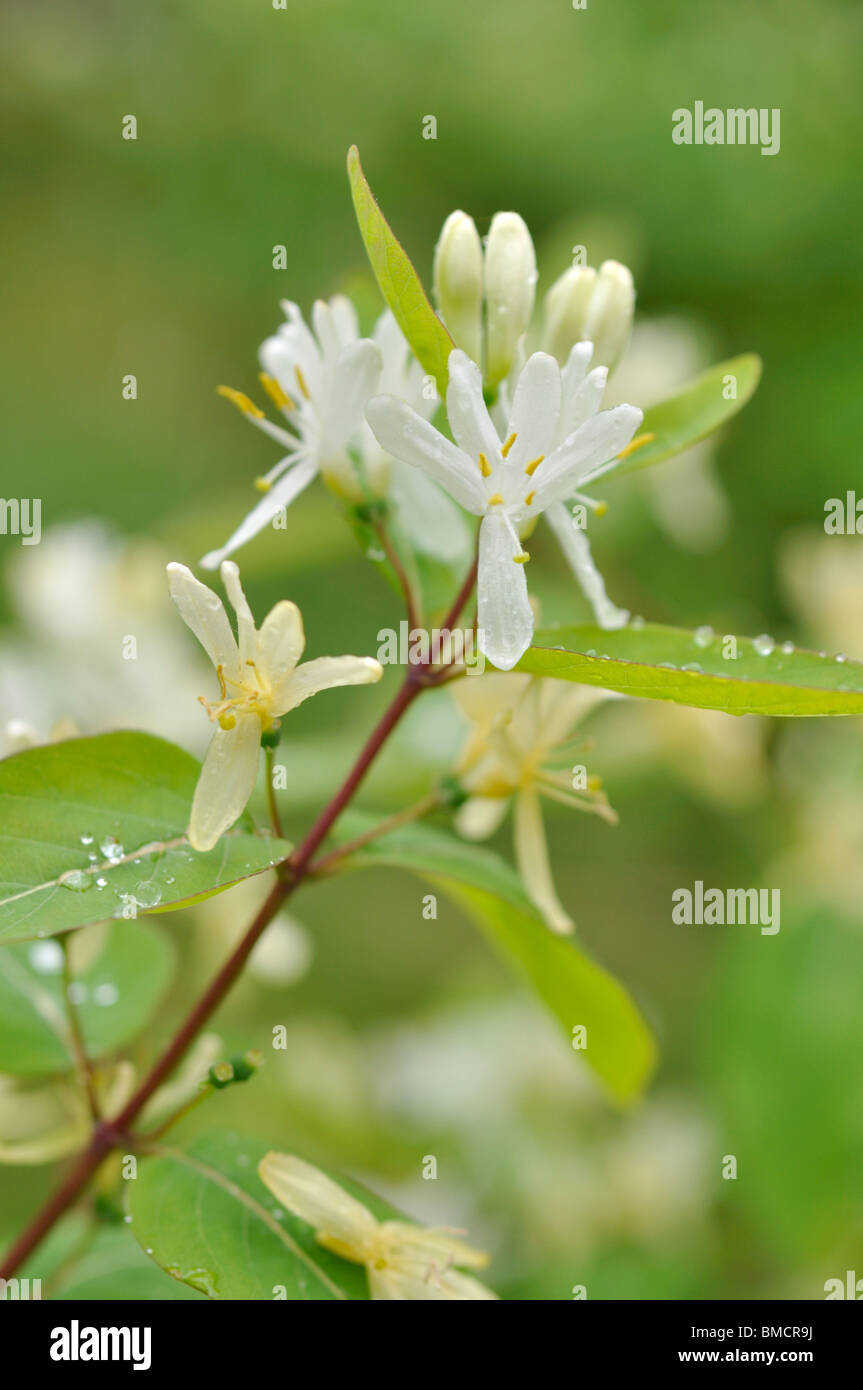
column 76, row 1036
column 328, row 862
column 272, row 802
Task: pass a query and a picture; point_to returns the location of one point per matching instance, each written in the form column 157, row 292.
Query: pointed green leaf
column 578, row 991
column 399, row 283
column 697, row 411
column 94, row 828
column 714, row 672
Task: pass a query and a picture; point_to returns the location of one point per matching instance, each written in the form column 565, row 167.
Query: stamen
column 495, row 500
column 529, row 498
column 521, row 559
column 301, row 382
column 227, row 721
column 279, row 397
column 509, row 443
column 263, row 484
column 484, row 466
column 241, row 401
column 636, row 443
column 530, row 468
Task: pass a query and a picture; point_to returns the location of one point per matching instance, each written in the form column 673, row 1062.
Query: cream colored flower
column 594, row 306
column 403, row 1261
column 519, row 724
column 259, row 681
column 42, row 1122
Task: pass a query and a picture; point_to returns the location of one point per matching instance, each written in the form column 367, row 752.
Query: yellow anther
column 522, row 558
column 636, row 443
column 594, row 784
column 509, row 443
column 495, row 500
column 227, row 721
column 279, row 397
column 484, row 466
column 241, row 401
column 530, row 468
column 263, row 484
column 600, row 509
column 529, row 498
column 301, row 382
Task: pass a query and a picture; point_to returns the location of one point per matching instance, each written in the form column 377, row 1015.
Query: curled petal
column 203, row 612
column 324, row 673
column 409, row 438
column 582, row 456
column 226, row 781
column 531, row 852
column 467, row 412
column 535, row 411
column 315, row 1198
column 281, row 641
column 504, row 613
column 282, row 494
column 576, row 549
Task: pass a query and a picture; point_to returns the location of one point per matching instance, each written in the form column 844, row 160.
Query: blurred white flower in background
column 78, row 598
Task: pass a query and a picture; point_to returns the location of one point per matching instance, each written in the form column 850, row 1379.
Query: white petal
column 292, row 347
column 325, row 673
column 203, row 612
column 582, row 455
column 280, row 495
column 535, row 411
column 582, row 401
column 316, row 1199
column 240, row 604
column 576, row 549
column 504, row 611
column 566, row 306
column 226, row 782
column 531, row 852
column 510, row 285
column 345, row 318
column 481, row 816
column 280, row 642
column 457, row 274
column 467, row 412
column 353, row 378
column 409, row 438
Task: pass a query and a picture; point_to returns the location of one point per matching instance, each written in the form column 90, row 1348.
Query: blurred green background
column 154, row 257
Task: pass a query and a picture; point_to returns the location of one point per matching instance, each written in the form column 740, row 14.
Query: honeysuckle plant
column 441, row 434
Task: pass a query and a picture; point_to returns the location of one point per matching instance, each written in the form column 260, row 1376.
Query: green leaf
column 122, row 986
column 399, row 283
column 205, row 1216
column 115, row 1269
column 696, row 412
column 620, row 1048
column 61, row 804
column 662, row 663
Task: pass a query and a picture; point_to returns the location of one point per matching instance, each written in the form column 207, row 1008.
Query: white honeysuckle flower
column 520, row 725
column 556, row 441
column 457, row 280
column 259, row 681
column 403, row 1262
column 585, row 305
column 320, row 382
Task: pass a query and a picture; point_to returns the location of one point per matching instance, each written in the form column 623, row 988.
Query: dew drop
column 637, row 622
column 106, row 994
column 764, row 644
column 788, row 648
column 703, row 636
column 86, row 839
column 76, row 880
column 112, row 849
column 101, row 883
column 841, row 657
column 77, row 993
column 693, row 666
column 148, row 893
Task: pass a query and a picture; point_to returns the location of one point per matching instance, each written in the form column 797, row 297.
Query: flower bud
column 566, row 306
column 589, row 306
column 458, row 282
column 609, row 316
column 510, row 285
